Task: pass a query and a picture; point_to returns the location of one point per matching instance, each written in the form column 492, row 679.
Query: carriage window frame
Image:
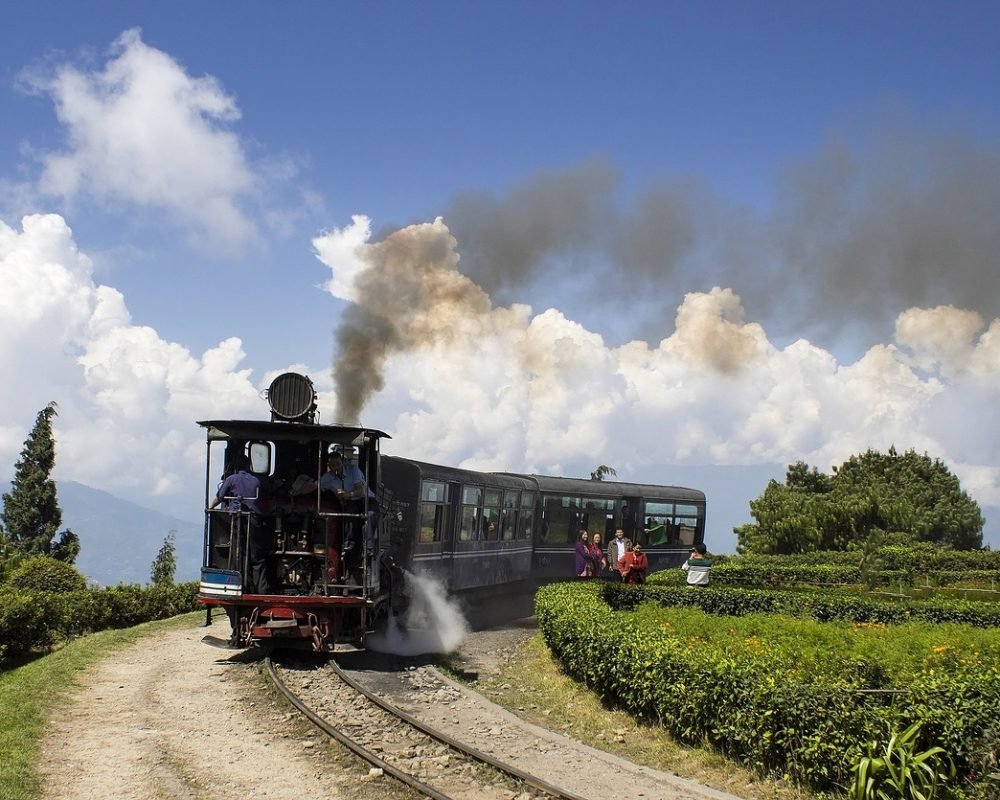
column 492, row 510
column 509, row 514
column 527, row 516
column 433, row 515
column 470, row 523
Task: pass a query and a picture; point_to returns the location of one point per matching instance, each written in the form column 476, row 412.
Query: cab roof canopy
column 224, row 429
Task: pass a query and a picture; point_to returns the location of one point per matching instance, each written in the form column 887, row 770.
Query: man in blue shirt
column 240, row 491
column 345, row 480
column 241, row 488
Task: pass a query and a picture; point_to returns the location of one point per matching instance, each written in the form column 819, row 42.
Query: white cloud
column 127, row 399
column 507, row 388
column 339, row 249
column 516, row 390
column 142, row 130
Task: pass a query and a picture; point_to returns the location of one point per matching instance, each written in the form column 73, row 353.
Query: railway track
column 429, row 761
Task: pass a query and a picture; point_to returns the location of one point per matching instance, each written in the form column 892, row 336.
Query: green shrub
column 32, row 621
column 44, row 574
column 821, row 606
column 782, row 695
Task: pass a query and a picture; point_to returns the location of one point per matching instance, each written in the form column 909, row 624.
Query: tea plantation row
column 784, row 695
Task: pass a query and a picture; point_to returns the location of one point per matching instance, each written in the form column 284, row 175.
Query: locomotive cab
column 293, row 525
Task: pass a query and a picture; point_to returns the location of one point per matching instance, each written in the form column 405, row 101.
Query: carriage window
column 472, row 498
column 527, row 515
column 669, row 524
column 509, row 527
column 658, row 525
column 491, row 515
column 686, row 527
column 433, row 511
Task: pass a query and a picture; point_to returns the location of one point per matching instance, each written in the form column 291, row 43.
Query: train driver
column 345, row 480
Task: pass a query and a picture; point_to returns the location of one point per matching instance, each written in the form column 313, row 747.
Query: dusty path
column 170, row 718
column 166, row 719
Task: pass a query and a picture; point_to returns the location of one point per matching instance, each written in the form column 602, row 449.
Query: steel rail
column 350, row 744
column 478, row 755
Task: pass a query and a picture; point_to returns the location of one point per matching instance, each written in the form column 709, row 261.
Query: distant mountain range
column 119, row 540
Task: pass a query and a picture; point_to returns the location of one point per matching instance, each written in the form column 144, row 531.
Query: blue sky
column 762, row 231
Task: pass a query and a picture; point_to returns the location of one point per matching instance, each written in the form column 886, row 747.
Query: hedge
column 774, row 572
column 32, row 621
column 821, row 606
column 773, row 692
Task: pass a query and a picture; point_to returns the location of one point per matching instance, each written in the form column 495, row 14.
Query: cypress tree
column 31, row 514
column 165, row 563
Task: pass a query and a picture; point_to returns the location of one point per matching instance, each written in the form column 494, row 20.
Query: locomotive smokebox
column 292, row 398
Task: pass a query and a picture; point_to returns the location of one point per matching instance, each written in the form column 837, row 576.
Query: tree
column 603, row 472
column 165, row 563
column 910, row 496
column 31, row 514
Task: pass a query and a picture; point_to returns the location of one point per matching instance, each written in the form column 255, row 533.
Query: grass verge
column 30, row 693
column 532, row 685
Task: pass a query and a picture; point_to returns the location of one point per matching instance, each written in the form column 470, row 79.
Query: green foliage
column 871, row 497
column 602, row 472
column 782, row 695
column 165, row 563
column 45, row 574
column 901, row 772
column 821, row 606
column 31, row 514
column 32, row 621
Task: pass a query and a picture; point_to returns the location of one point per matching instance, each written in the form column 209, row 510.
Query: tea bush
column 782, row 695
column 821, row 606
column 31, row 621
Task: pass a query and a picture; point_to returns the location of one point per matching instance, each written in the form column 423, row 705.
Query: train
column 300, row 553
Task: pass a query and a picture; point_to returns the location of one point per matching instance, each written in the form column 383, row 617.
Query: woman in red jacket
column 634, row 565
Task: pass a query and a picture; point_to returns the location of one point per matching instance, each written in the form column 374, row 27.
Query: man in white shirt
column 617, row 548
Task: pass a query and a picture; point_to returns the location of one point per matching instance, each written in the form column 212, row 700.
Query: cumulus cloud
column 143, row 131
column 461, row 380
column 497, row 387
column 127, row 398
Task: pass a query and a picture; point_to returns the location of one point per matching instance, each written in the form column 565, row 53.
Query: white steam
column 432, row 623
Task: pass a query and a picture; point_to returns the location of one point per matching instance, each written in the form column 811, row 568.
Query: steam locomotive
column 297, row 564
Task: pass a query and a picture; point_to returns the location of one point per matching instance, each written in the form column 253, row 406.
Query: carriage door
column 629, row 521
column 435, row 540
